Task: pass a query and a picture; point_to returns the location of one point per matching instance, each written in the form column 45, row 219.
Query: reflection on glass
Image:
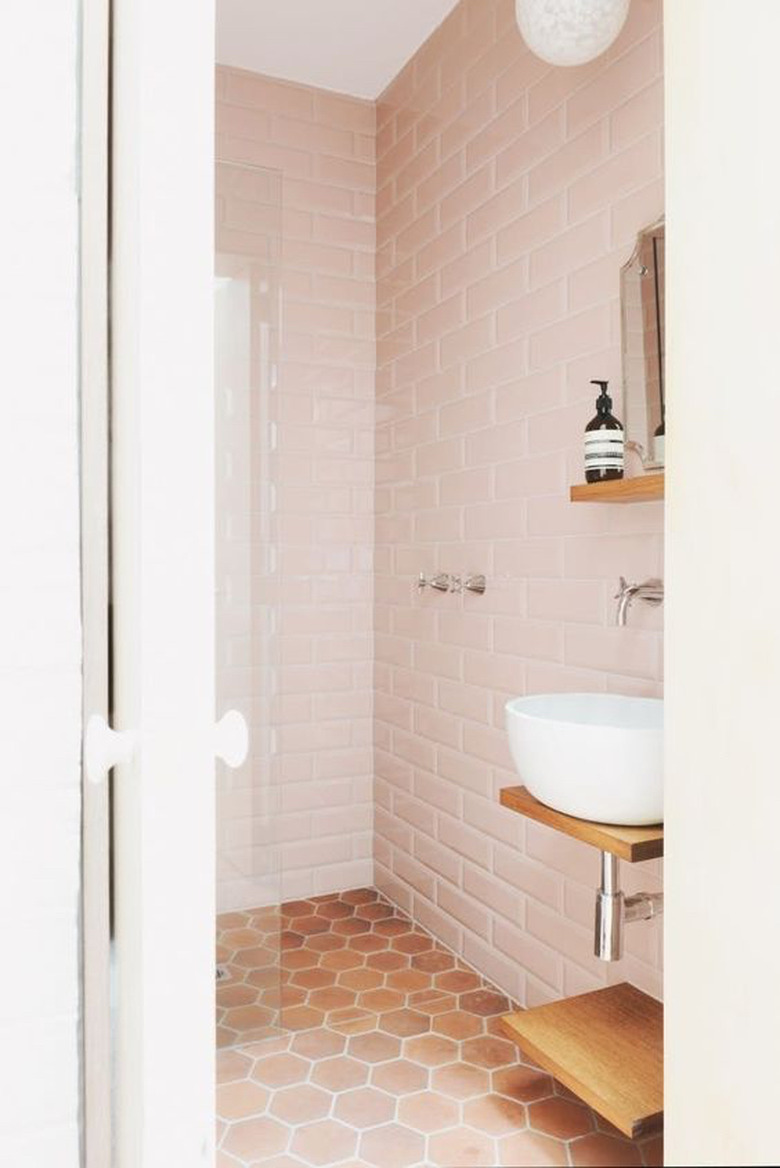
column 246, row 307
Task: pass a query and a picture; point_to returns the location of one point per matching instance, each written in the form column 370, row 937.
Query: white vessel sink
column 596, row 756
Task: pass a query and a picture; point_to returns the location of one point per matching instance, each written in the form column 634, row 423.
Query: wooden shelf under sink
column 640, row 489
column 628, row 843
column 606, row 1047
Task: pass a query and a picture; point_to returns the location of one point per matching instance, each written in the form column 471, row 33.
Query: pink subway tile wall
column 509, row 195
column 308, row 789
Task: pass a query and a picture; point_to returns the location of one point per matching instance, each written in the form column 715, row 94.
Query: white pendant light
column 570, row 32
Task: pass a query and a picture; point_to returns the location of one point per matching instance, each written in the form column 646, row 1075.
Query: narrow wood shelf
column 640, row 489
column 606, row 1047
column 629, row 843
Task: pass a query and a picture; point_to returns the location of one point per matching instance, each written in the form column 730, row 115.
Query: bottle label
column 604, row 450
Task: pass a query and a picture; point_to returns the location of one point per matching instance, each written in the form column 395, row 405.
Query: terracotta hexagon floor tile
column 400, row 1077
column 602, row 1151
column 240, row 1100
column 361, row 979
column 413, row 943
column 242, row 938
column 291, row 995
column 231, row 920
column 351, row 927
column 342, row 959
column 326, row 943
column 462, row 1148
column 404, row 1023
column 560, row 1118
column 301, row 1104
column 301, row 1018
column 374, row 1047
column 428, row 1112
column 318, row 1044
column 407, row 981
column 374, row 912
column 295, row 908
column 495, row 1115
column 313, row 979
column 364, row 1108
column 353, row 1020
column 258, row 958
column 232, row 1065
column 308, row 926
column 326, row 1142
column 334, row 910
column 339, row 1074
column 238, row 994
column 392, row 1146
column 392, row 927
column 433, row 962
column 368, row 943
column 524, row 1084
column 380, row 1001
column 333, row 998
column 458, row 1025
column 274, row 1042
column 225, row 1037
column 432, row 1002
column 431, row 1050
column 461, row 1081
column 248, row 1017
column 489, row 1052
column 280, row 1070
column 531, row 1150
column 458, row 981
column 458, row 1086
column 360, row 896
column 299, row 959
column 256, row 1139
column 484, row 1003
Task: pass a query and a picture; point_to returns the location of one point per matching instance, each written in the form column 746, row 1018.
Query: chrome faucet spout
column 651, row 591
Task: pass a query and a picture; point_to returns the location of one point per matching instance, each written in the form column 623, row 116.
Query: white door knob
column 105, row 748
column 231, row 739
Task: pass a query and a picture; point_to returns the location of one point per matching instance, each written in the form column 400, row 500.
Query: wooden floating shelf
column 606, row 1047
column 640, row 489
column 629, row 843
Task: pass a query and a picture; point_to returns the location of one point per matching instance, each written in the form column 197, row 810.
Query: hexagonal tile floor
column 350, row 1038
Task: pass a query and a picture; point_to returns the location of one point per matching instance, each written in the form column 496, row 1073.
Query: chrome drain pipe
column 614, row 910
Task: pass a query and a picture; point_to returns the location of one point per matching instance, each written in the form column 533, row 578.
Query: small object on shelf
column 641, row 489
column 604, row 441
column 659, row 444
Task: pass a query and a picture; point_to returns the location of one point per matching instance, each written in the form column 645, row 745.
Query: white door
column 162, row 424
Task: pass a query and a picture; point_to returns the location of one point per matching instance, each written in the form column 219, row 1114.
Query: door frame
column 162, row 414
column 95, row 583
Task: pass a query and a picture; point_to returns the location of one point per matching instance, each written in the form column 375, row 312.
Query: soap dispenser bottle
column 604, row 441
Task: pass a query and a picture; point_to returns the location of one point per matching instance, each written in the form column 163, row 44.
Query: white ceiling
column 351, row 46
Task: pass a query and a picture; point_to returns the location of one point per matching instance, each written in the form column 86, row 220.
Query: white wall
column 723, row 538
column 40, row 658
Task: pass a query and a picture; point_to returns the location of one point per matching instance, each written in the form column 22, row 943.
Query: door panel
column 163, row 579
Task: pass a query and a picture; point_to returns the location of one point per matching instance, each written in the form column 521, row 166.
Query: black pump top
column 603, row 401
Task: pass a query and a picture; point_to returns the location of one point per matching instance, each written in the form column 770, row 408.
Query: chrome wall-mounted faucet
column 651, row 591
column 445, row 582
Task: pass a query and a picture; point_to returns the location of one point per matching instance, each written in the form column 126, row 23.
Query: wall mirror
column 642, row 304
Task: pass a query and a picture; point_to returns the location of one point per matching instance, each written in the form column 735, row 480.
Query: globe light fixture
column 570, row 32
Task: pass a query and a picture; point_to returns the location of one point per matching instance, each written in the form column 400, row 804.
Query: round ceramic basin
column 596, row 756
